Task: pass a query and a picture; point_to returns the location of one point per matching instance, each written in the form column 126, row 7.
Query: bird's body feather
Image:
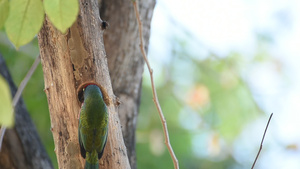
column 93, row 126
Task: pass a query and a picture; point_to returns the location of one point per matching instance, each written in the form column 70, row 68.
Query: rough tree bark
column 70, row 60
column 22, row 147
column 125, row 61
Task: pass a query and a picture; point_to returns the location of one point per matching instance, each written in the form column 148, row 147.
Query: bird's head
column 91, row 90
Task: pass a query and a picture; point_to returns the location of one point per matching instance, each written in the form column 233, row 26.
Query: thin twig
column 262, row 141
column 19, row 92
column 155, row 99
column 25, row 80
column 2, row 132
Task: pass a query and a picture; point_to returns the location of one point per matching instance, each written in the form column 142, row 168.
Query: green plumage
column 93, row 126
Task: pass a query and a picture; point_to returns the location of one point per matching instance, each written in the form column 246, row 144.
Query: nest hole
column 85, row 84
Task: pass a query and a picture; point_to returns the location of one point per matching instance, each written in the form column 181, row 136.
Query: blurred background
column 221, row 68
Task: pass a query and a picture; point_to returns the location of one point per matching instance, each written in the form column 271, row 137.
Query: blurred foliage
column 19, row 62
column 205, row 100
column 23, row 19
column 206, row 103
column 62, row 13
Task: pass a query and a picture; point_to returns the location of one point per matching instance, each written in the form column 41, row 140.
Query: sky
column 232, row 26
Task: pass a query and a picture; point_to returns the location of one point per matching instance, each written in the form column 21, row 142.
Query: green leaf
column 62, row 13
column 24, row 21
column 4, row 9
column 6, row 107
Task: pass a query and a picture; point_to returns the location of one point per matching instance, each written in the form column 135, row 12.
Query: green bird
column 93, row 126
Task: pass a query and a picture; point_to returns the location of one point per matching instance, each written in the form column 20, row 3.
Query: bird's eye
column 83, row 89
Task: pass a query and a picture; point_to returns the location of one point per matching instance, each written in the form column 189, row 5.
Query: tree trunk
column 125, row 61
column 70, row 60
column 22, row 147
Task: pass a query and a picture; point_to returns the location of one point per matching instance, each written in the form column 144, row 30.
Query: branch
column 155, row 99
column 19, row 92
column 262, row 141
